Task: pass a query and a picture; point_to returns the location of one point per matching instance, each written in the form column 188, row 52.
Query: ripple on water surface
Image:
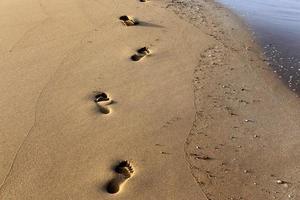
column 276, row 24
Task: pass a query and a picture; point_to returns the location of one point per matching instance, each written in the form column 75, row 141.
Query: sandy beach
column 197, row 114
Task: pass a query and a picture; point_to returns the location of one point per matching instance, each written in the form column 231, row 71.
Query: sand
column 200, row 117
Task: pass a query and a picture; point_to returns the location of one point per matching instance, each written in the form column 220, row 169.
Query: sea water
column 276, row 25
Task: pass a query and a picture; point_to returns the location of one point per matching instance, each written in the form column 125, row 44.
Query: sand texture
column 197, row 114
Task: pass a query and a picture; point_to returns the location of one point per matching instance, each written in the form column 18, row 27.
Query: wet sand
column 276, row 26
column 198, row 117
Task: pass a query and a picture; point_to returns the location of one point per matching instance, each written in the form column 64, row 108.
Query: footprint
column 141, row 53
column 125, row 171
column 101, row 96
column 128, row 21
column 102, row 100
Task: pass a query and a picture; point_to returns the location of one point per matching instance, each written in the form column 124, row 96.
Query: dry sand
column 202, row 117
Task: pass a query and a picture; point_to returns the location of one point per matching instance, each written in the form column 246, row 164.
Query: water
column 276, row 24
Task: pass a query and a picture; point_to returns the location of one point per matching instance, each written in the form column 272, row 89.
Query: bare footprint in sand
column 102, row 100
column 125, row 171
column 141, row 53
column 128, row 21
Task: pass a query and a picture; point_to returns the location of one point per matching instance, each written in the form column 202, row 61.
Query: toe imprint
column 128, row 21
column 144, row 50
column 124, row 164
column 101, row 97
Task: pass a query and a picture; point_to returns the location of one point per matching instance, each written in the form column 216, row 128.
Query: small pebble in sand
column 246, row 171
column 255, row 136
column 255, row 183
column 280, row 182
column 249, row 120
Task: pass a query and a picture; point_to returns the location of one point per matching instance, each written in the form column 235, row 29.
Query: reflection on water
column 276, row 24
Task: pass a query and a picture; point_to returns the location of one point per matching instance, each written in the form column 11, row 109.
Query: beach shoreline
column 221, row 131
column 200, row 108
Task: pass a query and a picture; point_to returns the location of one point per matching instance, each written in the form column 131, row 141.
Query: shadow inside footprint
column 141, row 53
column 103, row 109
column 101, row 97
column 137, row 57
column 128, row 21
column 102, row 100
column 114, row 185
column 125, row 171
column 144, row 50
